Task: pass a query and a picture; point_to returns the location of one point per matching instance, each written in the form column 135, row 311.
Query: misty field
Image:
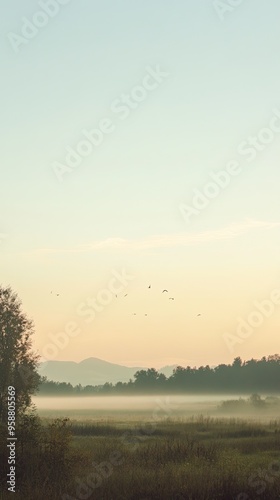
column 202, row 458
column 161, row 457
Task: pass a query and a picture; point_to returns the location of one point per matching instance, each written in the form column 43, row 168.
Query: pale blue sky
column 223, row 84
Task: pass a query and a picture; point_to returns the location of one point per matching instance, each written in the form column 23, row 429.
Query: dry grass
column 197, row 459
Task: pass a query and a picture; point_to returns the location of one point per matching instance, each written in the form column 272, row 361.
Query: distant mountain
column 91, row 371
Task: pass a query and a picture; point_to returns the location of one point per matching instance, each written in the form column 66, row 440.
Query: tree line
column 245, row 377
column 19, row 363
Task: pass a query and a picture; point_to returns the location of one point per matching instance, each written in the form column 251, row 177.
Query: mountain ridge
column 92, row 371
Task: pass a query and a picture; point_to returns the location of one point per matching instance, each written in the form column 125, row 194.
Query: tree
column 18, row 363
column 147, row 379
column 237, row 362
column 256, row 400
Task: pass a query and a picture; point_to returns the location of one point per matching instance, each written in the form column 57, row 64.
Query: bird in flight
column 126, row 295
column 149, row 286
column 164, row 291
column 199, row 314
column 57, row 294
column 134, row 314
column 171, row 298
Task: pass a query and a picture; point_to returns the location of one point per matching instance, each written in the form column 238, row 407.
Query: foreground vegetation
column 199, row 458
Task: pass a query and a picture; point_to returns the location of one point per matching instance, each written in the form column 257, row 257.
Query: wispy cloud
column 167, row 240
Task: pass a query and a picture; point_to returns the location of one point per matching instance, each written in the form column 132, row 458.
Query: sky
column 141, row 147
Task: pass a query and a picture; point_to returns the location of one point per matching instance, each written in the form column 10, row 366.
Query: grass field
column 128, row 456
column 202, row 458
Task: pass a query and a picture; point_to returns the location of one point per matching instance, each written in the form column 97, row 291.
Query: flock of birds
column 134, row 314
column 163, row 291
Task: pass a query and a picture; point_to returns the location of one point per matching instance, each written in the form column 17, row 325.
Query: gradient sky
column 120, row 208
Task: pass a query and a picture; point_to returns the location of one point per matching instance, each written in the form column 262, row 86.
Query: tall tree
column 146, row 379
column 18, row 363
